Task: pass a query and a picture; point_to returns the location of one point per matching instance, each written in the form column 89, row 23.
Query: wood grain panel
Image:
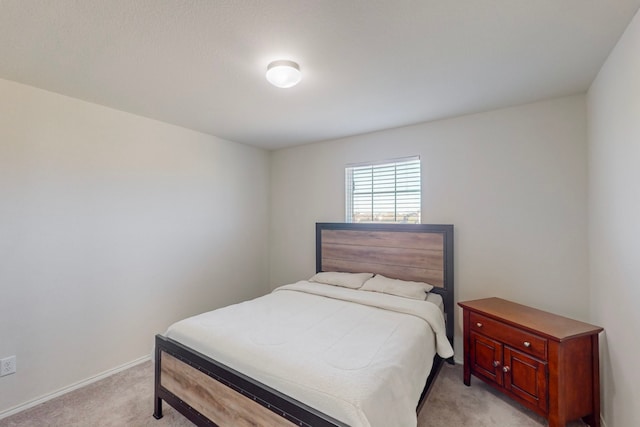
column 417, row 258
column 408, row 240
column 433, row 277
column 219, row 403
column 408, row 255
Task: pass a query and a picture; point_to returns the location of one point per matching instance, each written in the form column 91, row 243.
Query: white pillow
column 347, row 280
column 401, row 288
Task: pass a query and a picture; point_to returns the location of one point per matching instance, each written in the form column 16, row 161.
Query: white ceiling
column 367, row 65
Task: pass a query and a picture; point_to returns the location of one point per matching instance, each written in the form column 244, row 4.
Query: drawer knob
column 527, row 344
column 506, row 369
column 479, row 325
column 496, row 363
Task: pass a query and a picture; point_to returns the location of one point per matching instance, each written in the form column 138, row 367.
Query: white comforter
column 364, row 364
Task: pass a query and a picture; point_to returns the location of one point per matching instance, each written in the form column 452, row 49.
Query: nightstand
column 546, row 362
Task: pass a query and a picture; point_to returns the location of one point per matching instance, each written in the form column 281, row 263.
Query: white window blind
column 384, row 192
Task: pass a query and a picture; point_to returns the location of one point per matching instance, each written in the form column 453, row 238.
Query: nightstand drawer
column 517, row 338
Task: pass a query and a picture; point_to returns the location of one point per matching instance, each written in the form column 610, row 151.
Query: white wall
column 614, row 225
column 112, row 226
column 512, row 181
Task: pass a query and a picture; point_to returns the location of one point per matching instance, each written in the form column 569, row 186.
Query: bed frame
column 211, row 394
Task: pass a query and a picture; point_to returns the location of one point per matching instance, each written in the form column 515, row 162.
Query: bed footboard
column 211, row 394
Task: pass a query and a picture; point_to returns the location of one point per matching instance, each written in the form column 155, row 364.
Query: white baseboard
column 72, row 387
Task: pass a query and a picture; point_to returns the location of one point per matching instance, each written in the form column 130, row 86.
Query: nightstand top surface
column 553, row 326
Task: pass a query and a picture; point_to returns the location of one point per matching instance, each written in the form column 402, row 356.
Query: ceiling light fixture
column 283, row 73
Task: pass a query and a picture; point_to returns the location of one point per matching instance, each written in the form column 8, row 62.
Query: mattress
column 360, row 357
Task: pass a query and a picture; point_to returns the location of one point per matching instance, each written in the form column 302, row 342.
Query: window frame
column 407, row 173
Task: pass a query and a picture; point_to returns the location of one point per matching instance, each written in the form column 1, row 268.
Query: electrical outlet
column 7, row 366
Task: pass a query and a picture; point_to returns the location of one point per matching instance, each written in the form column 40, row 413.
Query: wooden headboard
column 418, row 252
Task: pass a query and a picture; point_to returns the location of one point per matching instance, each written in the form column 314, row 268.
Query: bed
column 211, row 382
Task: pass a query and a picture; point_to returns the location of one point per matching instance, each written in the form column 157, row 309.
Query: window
column 384, row 192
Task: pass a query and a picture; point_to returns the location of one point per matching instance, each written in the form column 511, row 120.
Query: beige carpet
column 126, row 399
